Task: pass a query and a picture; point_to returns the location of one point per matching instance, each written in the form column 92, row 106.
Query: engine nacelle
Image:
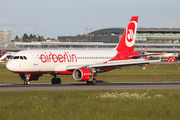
column 31, row 77
column 83, row 74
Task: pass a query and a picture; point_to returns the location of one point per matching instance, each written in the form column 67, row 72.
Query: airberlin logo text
column 66, row 57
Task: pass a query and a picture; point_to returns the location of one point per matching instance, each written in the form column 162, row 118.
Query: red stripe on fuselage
column 46, row 72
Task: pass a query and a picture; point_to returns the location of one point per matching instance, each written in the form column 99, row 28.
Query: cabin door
column 35, row 58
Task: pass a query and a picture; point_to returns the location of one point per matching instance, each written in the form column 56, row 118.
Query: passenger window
column 16, row 57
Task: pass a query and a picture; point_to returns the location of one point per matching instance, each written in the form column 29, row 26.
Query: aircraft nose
column 10, row 66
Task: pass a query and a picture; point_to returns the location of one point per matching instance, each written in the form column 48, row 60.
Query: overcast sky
column 53, row 18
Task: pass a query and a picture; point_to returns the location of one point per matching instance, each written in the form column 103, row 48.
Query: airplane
column 83, row 65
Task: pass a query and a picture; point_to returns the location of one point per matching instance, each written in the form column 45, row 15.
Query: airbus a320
column 82, row 64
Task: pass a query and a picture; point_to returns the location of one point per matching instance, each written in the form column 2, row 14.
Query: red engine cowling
column 82, row 74
column 31, row 77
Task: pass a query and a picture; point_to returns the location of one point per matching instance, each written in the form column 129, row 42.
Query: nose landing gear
column 26, row 82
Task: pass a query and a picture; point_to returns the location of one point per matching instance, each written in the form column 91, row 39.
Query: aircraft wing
column 123, row 63
column 117, row 64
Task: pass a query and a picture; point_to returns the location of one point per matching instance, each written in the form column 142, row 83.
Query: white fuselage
column 56, row 60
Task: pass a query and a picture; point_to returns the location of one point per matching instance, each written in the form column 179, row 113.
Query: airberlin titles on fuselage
column 50, row 57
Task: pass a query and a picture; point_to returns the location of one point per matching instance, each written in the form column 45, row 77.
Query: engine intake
column 83, row 74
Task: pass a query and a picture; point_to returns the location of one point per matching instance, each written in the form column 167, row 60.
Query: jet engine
column 31, row 77
column 83, row 74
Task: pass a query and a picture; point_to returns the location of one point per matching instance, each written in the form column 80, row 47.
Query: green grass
column 154, row 73
column 89, row 105
column 160, row 72
column 2, row 64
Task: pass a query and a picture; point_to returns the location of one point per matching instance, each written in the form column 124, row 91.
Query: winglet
column 127, row 41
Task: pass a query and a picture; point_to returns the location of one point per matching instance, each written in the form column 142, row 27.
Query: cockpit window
column 16, row 57
column 19, row 57
column 25, row 57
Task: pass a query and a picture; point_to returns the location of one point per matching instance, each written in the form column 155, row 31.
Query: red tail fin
column 127, row 41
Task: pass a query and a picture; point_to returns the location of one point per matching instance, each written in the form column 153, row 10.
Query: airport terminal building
column 144, row 35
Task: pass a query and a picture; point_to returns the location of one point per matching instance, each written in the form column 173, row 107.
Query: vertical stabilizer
column 127, row 41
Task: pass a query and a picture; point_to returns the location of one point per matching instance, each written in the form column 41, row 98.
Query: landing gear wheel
column 53, row 81
column 26, row 82
column 93, row 82
column 58, row 81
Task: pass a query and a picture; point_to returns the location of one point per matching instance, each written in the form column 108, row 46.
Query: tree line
column 30, row 38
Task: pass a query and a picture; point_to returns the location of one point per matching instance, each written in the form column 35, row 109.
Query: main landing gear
column 93, row 82
column 55, row 80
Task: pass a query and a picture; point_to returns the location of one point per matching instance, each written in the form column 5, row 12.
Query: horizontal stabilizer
column 143, row 55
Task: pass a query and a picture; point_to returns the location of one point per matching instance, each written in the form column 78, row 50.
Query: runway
column 84, row 86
